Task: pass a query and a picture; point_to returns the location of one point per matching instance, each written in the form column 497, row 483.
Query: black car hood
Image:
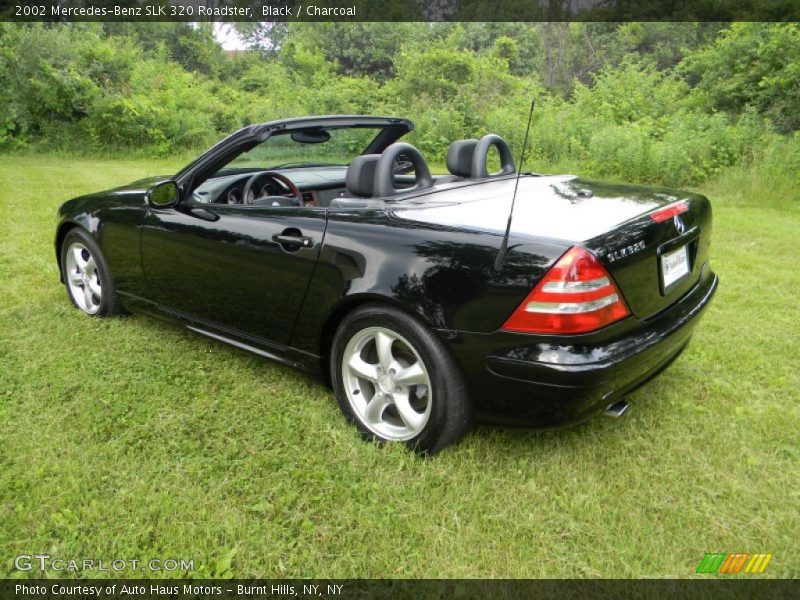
column 141, row 185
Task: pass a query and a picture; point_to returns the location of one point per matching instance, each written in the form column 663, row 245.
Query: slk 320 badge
column 615, row 255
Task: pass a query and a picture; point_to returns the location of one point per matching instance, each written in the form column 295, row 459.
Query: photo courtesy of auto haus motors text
column 356, row 299
column 167, row 590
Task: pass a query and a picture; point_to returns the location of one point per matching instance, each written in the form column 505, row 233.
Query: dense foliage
column 661, row 102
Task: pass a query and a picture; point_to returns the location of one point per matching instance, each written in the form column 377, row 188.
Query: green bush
column 435, row 129
column 170, row 109
column 168, row 89
column 439, row 73
column 751, row 64
column 46, row 77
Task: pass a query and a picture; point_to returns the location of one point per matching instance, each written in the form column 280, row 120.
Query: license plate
column 674, row 266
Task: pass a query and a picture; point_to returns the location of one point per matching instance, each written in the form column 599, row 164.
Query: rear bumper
column 532, row 380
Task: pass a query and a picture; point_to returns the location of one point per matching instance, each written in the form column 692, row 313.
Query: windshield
column 311, row 147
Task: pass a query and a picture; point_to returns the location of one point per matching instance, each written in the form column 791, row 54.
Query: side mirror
column 163, row 195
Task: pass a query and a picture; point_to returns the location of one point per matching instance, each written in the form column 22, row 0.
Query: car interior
column 368, row 181
column 372, row 179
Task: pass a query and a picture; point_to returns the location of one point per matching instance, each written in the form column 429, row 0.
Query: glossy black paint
column 547, row 381
column 226, row 267
column 228, row 272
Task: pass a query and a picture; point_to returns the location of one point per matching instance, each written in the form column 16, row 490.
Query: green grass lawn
column 126, row 438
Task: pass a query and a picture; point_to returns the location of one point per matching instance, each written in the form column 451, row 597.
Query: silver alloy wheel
column 83, row 278
column 387, row 384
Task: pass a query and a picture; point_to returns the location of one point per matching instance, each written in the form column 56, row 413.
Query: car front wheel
column 397, row 381
column 86, row 276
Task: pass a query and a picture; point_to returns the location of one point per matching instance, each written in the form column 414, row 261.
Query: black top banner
column 399, row 10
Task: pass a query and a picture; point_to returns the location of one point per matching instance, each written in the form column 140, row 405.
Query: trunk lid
column 657, row 257
column 614, row 221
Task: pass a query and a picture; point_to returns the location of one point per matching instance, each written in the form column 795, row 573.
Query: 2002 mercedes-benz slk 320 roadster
column 325, row 244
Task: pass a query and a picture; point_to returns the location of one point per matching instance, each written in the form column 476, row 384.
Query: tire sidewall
column 430, row 350
column 78, row 235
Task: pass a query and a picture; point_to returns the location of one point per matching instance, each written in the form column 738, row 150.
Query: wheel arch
column 83, row 221
column 61, row 233
column 340, row 312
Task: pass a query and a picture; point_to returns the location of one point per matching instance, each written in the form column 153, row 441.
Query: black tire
column 450, row 414
column 109, row 304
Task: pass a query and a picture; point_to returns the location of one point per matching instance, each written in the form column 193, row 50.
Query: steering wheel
column 249, row 195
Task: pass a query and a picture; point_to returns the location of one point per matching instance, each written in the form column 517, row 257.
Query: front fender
column 113, row 220
column 74, row 213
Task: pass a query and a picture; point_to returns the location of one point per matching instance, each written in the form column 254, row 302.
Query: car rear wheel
column 397, row 381
column 86, row 276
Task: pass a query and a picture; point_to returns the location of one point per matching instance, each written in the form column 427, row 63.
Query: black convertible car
column 325, row 244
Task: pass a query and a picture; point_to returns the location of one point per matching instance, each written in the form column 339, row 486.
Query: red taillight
column 670, row 211
column 577, row 295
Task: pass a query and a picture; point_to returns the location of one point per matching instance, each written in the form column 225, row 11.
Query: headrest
column 459, row 157
column 479, row 170
column 385, row 176
column 360, row 177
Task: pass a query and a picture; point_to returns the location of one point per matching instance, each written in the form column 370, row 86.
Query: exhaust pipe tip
column 616, row 410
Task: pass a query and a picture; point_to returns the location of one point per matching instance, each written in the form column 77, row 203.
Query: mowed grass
column 127, row 438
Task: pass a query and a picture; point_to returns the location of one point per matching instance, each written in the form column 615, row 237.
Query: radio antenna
column 501, row 255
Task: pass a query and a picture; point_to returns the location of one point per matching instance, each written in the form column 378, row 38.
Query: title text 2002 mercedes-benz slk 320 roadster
column 326, row 244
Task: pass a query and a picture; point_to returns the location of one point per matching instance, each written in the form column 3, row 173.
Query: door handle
column 293, row 240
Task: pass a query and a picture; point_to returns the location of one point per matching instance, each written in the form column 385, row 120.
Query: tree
column 358, row 48
column 192, row 46
column 751, row 64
